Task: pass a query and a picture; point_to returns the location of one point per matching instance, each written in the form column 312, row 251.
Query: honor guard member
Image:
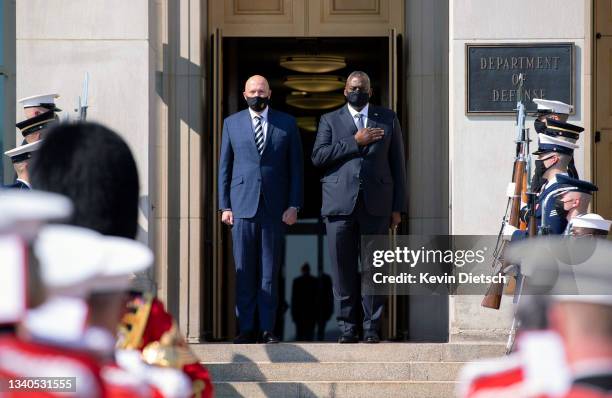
column 553, row 157
column 589, row 224
column 556, row 111
column 536, row 368
column 22, row 214
column 574, row 202
column 13, row 283
column 52, row 344
column 37, row 104
column 581, row 320
column 34, row 128
column 73, row 261
column 20, row 157
column 562, row 131
column 148, row 331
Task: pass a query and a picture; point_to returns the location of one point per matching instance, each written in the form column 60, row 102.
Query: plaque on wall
column 493, row 69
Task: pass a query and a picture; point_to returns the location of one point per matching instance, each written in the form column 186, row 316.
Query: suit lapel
column 373, row 118
column 271, row 128
column 348, row 121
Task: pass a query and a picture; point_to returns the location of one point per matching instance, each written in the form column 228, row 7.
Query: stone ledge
column 332, row 352
column 336, row 390
column 335, row 371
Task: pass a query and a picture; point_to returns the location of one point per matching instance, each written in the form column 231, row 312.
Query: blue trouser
column 258, row 243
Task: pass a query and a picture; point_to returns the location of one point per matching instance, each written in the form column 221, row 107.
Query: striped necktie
column 359, row 118
column 259, row 135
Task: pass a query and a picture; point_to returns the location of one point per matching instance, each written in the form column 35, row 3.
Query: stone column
column 176, row 100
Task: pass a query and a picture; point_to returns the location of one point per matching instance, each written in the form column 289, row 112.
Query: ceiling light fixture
column 304, row 100
column 312, row 63
column 314, row 83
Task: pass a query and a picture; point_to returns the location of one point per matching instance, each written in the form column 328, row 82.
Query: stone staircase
column 289, row 370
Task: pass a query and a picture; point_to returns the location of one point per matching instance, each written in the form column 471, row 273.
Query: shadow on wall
column 179, row 86
column 144, row 280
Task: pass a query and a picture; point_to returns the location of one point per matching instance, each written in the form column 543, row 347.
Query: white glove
column 510, row 190
column 508, row 231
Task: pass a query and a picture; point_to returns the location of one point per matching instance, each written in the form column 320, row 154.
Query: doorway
column 234, row 60
column 602, row 87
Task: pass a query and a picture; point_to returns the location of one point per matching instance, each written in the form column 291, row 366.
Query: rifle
column 520, row 172
column 82, row 109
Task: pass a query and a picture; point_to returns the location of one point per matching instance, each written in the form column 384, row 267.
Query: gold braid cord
column 134, row 322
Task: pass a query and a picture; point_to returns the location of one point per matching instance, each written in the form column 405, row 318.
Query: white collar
column 553, row 180
column 354, row 112
column 263, row 114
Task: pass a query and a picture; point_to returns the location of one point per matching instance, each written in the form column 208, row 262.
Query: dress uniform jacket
column 555, row 221
column 30, row 359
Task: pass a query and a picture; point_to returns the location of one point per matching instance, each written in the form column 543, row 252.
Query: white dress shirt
column 264, row 121
column 364, row 113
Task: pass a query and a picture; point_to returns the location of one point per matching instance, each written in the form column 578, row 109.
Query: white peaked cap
column 122, row 258
column 591, row 220
column 69, row 258
column 20, row 150
column 546, row 139
column 23, row 212
column 553, row 106
column 38, row 100
column 77, row 261
column 13, row 279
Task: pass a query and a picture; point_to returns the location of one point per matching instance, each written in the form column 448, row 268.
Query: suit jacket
column 380, row 165
column 244, row 175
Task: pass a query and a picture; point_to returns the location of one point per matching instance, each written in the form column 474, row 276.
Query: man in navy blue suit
column 260, row 191
column 361, row 151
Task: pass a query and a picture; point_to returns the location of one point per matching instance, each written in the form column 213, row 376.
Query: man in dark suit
column 303, row 307
column 361, row 150
column 260, row 189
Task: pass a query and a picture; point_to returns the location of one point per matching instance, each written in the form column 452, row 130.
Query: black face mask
column 257, row 104
column 559, row 208
column 540, row 127
column 358, row 99
column 538, row 180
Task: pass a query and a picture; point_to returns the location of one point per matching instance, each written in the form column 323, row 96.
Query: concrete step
column 326, row 389
column 332, row 352
column 335, row 371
